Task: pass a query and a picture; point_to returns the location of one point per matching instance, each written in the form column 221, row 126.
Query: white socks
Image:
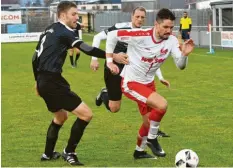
column 153, row 131
column 143, row 144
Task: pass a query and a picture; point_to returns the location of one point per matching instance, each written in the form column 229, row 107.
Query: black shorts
column 185, row 34
column 55, row 91
column 113, row 83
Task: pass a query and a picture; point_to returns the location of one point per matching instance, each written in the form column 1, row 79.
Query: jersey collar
column 153, row 36
column 66, row 25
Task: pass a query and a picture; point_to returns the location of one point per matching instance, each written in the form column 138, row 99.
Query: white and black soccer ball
column 186, row 158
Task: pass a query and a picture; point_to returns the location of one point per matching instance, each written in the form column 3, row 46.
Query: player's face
column 164, row 29
column 185, row 15
column 71, row 18
column 138, row 18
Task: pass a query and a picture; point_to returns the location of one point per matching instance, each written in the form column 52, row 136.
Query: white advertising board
column 227, row 39
column 11, row 17
column 20, row 37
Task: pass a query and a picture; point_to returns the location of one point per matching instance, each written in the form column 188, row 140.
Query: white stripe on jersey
column 75, row 42
column 133, row 93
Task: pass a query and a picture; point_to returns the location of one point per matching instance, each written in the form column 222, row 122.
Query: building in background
column 150, row 5
column 24, row 3
column 94, row 5
column 6, row 4
column 10, row 2
column 222, row 13
column 99, row 5
column 200, row 4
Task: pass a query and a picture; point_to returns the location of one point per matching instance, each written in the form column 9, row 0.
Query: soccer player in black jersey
column 75, row 50
column 47, row 63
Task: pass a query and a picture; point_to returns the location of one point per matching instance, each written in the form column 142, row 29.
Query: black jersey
column 52, row 48
column 53, row 45
column 120, row 46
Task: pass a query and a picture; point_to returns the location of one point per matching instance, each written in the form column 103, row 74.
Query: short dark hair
column 165, row 14
column 64, row 6
column 141, row 8
column 185, row 12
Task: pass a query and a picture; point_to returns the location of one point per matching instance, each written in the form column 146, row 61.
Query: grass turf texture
column 199, row 113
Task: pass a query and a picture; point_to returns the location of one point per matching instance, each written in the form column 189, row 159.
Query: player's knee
column 60, row 120
column 114, row 108
column 87, row 115
column 163, row 105
column 83, row 112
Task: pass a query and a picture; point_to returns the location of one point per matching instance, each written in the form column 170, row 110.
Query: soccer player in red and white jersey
column 147, row 51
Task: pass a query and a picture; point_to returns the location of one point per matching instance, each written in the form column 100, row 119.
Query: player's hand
column 165, row 82
column 94, row 65
column 37, row 92
column 187, row 47
column 113, row 68
column 121, row 58
column 188, row 33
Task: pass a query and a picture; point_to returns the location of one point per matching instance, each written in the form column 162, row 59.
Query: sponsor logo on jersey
column 163, row 51
column 153, row 60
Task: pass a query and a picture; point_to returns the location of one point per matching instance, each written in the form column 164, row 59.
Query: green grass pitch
column 199, row 115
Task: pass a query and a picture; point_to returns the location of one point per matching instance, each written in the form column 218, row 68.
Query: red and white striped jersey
column 146, row 54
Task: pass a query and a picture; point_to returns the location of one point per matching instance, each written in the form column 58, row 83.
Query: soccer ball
column 186, row 158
